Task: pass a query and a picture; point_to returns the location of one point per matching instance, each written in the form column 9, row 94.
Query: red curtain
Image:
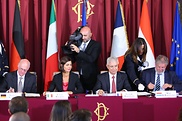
column 35, row 16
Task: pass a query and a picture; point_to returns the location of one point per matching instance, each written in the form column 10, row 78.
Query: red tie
column 113, row 85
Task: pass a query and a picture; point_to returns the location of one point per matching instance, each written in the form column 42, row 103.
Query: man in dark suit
column 86, row 56
column 112, row 79
column 4, row 67
column 21, row 80
column 159, row 78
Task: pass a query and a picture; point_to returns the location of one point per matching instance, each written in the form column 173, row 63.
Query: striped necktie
column 157, row 85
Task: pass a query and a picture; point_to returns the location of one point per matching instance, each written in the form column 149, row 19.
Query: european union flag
column 84, row 13
column 176, row 49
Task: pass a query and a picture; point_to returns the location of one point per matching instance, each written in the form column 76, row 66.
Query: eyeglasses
column 25, row 70
column 113, row 66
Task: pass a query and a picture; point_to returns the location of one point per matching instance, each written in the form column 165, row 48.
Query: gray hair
column 162, row 59
column 24, row 61
column 109, row 59
column 20, row 116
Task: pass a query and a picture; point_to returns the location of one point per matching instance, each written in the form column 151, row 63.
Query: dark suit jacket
column 104, row 83
column 170, row 77
column 74, row 83
column 131, row 69
column 4, row 67
column 30, row 83
column 87, row 60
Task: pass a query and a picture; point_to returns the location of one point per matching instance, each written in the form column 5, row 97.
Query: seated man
column 18, row 104
column 21, row 80
column 113, row 80
column 20, row 116
column 159, row 78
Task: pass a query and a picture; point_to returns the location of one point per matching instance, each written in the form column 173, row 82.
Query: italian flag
column 52, row 49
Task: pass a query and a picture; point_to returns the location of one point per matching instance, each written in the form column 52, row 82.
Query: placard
column 32, row 95
column 9, row 96
column 129, row 95
column 91, row 95
column 166, row 94
column 57, row 95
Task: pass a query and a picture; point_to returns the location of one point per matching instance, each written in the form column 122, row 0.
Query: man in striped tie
column 159, row 78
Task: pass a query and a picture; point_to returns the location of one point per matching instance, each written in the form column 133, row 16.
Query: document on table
column 143, row 93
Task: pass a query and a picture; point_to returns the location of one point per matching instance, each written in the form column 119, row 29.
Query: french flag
column 120, row 41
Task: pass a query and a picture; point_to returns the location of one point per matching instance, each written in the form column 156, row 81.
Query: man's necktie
column 84, row 47
column 20, row 85
column 157, row 85
column 113, row 85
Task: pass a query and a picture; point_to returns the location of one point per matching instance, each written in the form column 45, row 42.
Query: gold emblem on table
column 101, row 111
column 78, row 7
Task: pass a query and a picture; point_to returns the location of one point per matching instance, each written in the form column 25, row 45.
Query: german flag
column 17, row 45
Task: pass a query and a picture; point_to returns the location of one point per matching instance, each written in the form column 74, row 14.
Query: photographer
column 86, row 56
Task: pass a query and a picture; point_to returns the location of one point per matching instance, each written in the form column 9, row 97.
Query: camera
column 75, row 38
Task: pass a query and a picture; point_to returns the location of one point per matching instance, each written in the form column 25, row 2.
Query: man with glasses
column 21, row 80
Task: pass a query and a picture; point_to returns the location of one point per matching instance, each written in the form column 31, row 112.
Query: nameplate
column 128, row 95
column 91, row 95
column 57, row 95
column 166, row 94
column 9, row 96
column 32, row 95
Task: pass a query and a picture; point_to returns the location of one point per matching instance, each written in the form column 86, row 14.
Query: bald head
column 23, row 66
column 86, row 28
column 20, row 116
column 86, row 32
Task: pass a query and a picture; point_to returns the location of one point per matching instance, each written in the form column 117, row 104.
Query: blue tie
column 157, row 85
column 84, row 47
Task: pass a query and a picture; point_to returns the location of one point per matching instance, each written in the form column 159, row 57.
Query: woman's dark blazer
column 74, row 83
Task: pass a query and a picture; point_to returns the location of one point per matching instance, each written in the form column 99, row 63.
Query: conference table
column 106, row 108
column 39, row 108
